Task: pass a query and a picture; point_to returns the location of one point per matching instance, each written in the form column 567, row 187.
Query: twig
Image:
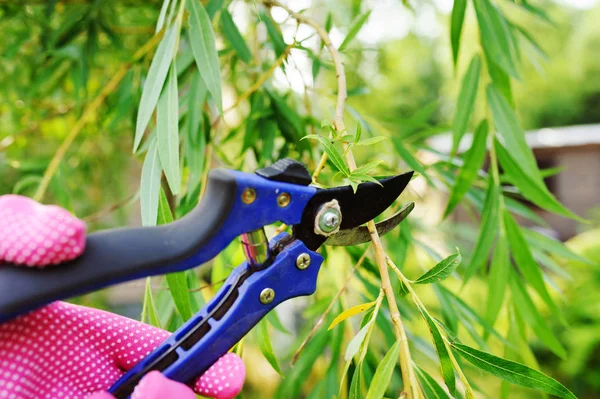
column 88, row 112
column 330, row 307
column 408, row 376
column 95, row 216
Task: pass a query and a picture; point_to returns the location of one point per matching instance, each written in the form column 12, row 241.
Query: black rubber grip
column 120, row 255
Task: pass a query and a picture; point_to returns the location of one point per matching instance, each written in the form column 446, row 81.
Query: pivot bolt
column 248, row 196
column 303, row 261
column 283, row 200
column 330, row 220
column 267, row 295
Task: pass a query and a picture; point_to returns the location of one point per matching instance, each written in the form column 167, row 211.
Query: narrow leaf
column 202, row 40
column 383, row 374
column 162, row 15
column 355, row 27
column 167, row 132
column 149, row 312
column 430, row 386
column 532, row 316
column 487, row 232
column 525, row 261
column 553, row 246
column 274, row 34
column 264, row 343
column 154, row 82
column 446, row 366
column 498, row 280
column 355, row 386
column 531, row 186
column 442, row 270
column 495, row 36
column 513, row 372
column 353, row 311
column 466, row 101
column 331, row 152
column 150, row 185
column 456, row 24
column 468, row 172
column 233, row 35
column 356, row 342
column 371, row 140
column 179, row 288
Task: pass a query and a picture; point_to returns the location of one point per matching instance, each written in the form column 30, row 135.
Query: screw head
column 248, row 196
column 266, row 296
column 283, row 200
column 303, row 261
column 330, row 220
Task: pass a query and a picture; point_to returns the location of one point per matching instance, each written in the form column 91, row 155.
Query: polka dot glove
column 64, row 351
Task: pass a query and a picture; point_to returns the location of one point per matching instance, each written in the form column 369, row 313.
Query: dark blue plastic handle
column 213, row 333
column 119, row 255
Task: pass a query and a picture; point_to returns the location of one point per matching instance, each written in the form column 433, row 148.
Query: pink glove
column 72, row 352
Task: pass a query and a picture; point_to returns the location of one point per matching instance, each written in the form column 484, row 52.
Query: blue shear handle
column 119, row 255
column 183, row 357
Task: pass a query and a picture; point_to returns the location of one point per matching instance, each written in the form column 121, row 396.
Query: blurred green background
column 403, row 77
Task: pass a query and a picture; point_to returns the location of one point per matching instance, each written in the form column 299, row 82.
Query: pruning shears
column 235, row 204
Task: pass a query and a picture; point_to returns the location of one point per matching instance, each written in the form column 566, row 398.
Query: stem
column 417, row 300
column 89, row 112
column 409, row 379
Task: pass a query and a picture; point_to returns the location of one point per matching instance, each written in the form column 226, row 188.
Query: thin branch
column 88, row 113
column 104, row 212
column 408, row 376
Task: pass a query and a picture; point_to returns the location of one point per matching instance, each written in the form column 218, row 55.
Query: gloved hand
column 64, row 351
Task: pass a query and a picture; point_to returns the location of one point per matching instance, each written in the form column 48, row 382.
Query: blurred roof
column 547, row 138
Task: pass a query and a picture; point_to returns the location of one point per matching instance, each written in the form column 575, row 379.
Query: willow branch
column 409, row 379
column 89, row 112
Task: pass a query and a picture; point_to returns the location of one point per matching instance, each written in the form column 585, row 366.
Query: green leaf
column 524, row 259
column 269, row 132
column 202, row 41
column 446, row 366
column 213, row 6
column 274, row 34
column 167, row 132
column 233, row 35
column 466, row 101
column 371, row 140
column 472, row 162
column 410, row 159
column 154, row 82
column 355, row 386
column 513, row 372
column 264, row 343
column 273, row 319
column 383, row 374
column 358, row 132
column 456, row 24
column 162, row 15
column 553, row 246
column 150, row 185
column 149, row 312
column 355, row 27
column 164, row 211
column 442, row 270
column 488, row 231
column 495, row 36
column 498, row 279
column 179, row 288
column 531, row 187
column 356, row 342
column 360, row 177
column 430, row 386
column 331, row 152
column 367, row 167
column 532, row 317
